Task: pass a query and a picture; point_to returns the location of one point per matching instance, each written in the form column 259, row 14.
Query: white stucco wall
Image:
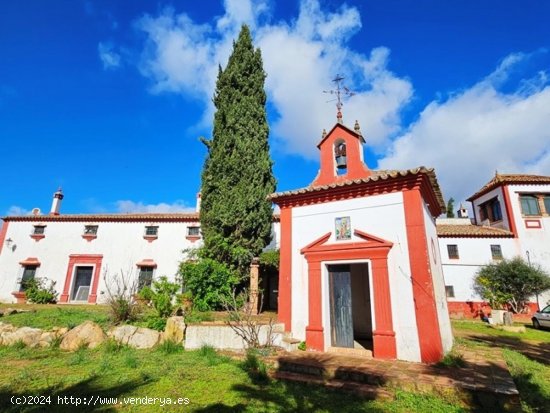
column 121, row 244
column 473, row 253
column 382, row 216
column 438, row 281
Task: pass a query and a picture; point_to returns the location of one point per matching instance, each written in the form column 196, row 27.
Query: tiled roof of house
column 500, row 179
column 471, row 231
column 135, row 217
column 381, row 175
column 131, row 217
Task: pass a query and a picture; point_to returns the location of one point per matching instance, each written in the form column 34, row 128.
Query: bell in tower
column 340, row 155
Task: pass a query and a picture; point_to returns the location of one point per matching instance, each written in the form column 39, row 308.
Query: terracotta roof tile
column 501, row 179
column 143, row 217
column 380, row 175
column 471, row 231
column 139, row 217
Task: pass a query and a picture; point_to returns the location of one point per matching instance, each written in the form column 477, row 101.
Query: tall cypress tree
column 237, row 177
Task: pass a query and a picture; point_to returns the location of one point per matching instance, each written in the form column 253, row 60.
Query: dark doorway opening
column 270, row 287
column 82, row 283
column 350, row 307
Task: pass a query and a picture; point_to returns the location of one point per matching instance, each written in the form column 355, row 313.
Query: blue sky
column 108, row 99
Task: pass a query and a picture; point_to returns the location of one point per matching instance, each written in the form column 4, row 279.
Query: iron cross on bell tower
column 341, row 92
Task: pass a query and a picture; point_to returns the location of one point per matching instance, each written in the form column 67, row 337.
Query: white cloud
column 15, row 210
column 300, row 57
column 126, row 206
column 109, row 58
column 473, row 133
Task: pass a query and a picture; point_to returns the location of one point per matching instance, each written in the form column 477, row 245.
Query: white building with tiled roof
column 511, row 218
column 360, row 269
column 77, row 251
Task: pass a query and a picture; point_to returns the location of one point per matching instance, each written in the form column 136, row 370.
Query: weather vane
column 341, row 92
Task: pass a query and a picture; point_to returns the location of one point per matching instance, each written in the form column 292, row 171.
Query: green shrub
column 156, row 323
column 162, row 295
column 210, row 283
column 302, row 346
column 39, row 291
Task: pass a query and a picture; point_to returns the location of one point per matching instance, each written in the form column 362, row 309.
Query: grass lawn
column 527, row 355
column 46, row 316
column 213, row 382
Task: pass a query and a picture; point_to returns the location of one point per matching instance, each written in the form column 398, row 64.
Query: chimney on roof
column 462, row 212
column 198, row 207
column 56, row 203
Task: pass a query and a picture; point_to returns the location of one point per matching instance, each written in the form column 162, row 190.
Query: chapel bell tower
column 341, row 148
column 341, row 155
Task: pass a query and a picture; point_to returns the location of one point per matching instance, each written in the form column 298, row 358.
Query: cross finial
column 341, row 92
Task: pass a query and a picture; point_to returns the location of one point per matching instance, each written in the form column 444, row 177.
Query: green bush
column 162, row 295
column 39, row 291
column 510, row 283
column 156, row 323
column 210, row 283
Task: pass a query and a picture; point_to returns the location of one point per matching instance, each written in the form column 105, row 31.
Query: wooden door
column 341, row 319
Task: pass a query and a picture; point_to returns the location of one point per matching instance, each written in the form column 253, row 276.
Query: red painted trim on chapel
column 89, row 237
column 374, row 249
column 370, row 188
column 427, row 322
column 3, row 233
column 79, row 259
column 38, row 237
column 355, row 167
column 509, row 211
column 285, row 269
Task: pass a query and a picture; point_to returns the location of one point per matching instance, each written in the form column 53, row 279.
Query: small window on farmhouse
column 193, row 231
column 529, row 205
column 452, row 250
column 145, row 277
column 151, row 231
column 491, row 210
column 39, row 229
column 450, row 291
column 29, row 271
column 90, row 229
column 496, row 252
column 547, row 204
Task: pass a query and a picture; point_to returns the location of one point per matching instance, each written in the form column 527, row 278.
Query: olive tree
column 510, row 283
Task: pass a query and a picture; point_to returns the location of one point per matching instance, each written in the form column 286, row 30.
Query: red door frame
column 76, row 260
column 372, row 248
